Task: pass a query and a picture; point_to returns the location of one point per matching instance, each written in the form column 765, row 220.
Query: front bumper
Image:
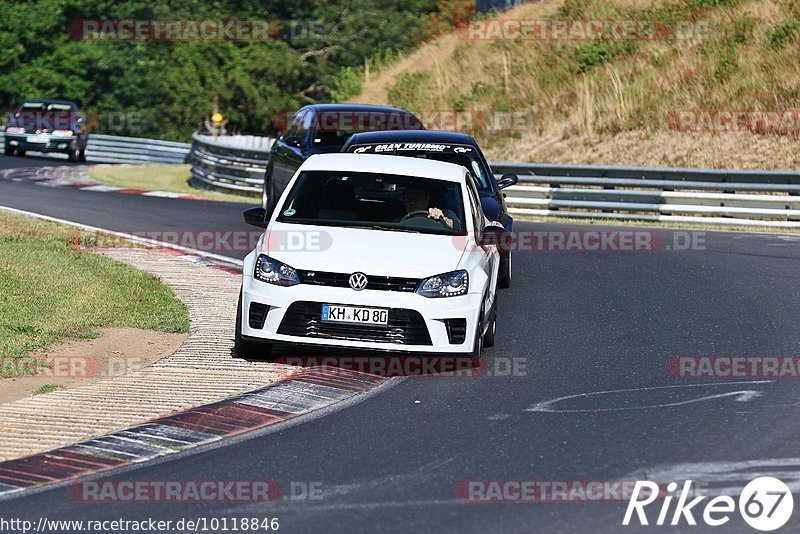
column 434, row 314
column 51, row 144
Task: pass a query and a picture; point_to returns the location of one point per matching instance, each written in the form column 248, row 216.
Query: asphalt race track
column 575, row 324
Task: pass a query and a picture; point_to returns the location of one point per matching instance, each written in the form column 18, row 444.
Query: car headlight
column 15, row 130
column 274, row 272
column 62, row 133
column 445, row 285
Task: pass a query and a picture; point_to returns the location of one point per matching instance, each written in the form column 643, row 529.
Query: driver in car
column 417, row 202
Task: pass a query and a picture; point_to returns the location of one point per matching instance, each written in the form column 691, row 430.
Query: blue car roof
column 354, row 107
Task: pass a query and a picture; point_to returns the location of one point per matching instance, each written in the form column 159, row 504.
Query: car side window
column 296, row 127
column 478, row 171
column 306, row 121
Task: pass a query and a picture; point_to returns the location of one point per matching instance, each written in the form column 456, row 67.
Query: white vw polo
column 371, row 252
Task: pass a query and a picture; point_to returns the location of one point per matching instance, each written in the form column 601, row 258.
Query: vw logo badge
column 358, row 281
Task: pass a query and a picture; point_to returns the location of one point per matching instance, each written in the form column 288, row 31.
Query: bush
column 349, row 82
column 589, row 56
column 782, row 34
column 407, row 89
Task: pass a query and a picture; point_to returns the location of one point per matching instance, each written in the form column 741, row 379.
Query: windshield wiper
column 359, row 226
column 393, row 229
column 389, row 228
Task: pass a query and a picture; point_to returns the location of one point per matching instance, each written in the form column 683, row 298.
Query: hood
column 373, row 252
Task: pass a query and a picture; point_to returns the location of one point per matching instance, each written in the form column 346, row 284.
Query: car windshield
column 378, row 201
column 470, row 161
column 44, row 116
column 463, row 155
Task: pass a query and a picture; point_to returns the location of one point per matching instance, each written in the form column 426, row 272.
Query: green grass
column 47, row 388
column 50, row 291
column 158, row 177
column 782, row 35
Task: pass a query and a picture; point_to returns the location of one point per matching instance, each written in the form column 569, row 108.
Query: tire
column 20, row 153
column 244, row 348
column 504, row 276
column 74, row 154
column 82, row 156
column 488, row 337
column 8, row 151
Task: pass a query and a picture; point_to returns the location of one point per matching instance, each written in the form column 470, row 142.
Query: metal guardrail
column 747, row 198
column 116, row 149
column 751, row 198
column 235, row 164
column 101, row 148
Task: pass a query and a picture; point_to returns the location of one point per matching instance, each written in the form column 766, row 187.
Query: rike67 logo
column 765, row 504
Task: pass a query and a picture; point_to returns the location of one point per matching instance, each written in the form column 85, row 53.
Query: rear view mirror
column 255, row 217
column 507, row 180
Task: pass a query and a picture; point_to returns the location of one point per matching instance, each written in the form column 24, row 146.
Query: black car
column 450, row 147
column 47, row 126
column 324, row 128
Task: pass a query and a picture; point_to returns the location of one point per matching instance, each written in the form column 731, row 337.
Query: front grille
column 405, row 327
column 456, row 330
column 258, row 314
column 379, row 283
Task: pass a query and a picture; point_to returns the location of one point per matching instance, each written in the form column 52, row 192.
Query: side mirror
column 494, row 235
column 507, row 180
column 293, row 141
column 80, row 120
column 255, row 217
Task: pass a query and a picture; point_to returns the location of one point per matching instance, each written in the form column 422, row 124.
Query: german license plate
column 40, row 138
column 353, row 314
